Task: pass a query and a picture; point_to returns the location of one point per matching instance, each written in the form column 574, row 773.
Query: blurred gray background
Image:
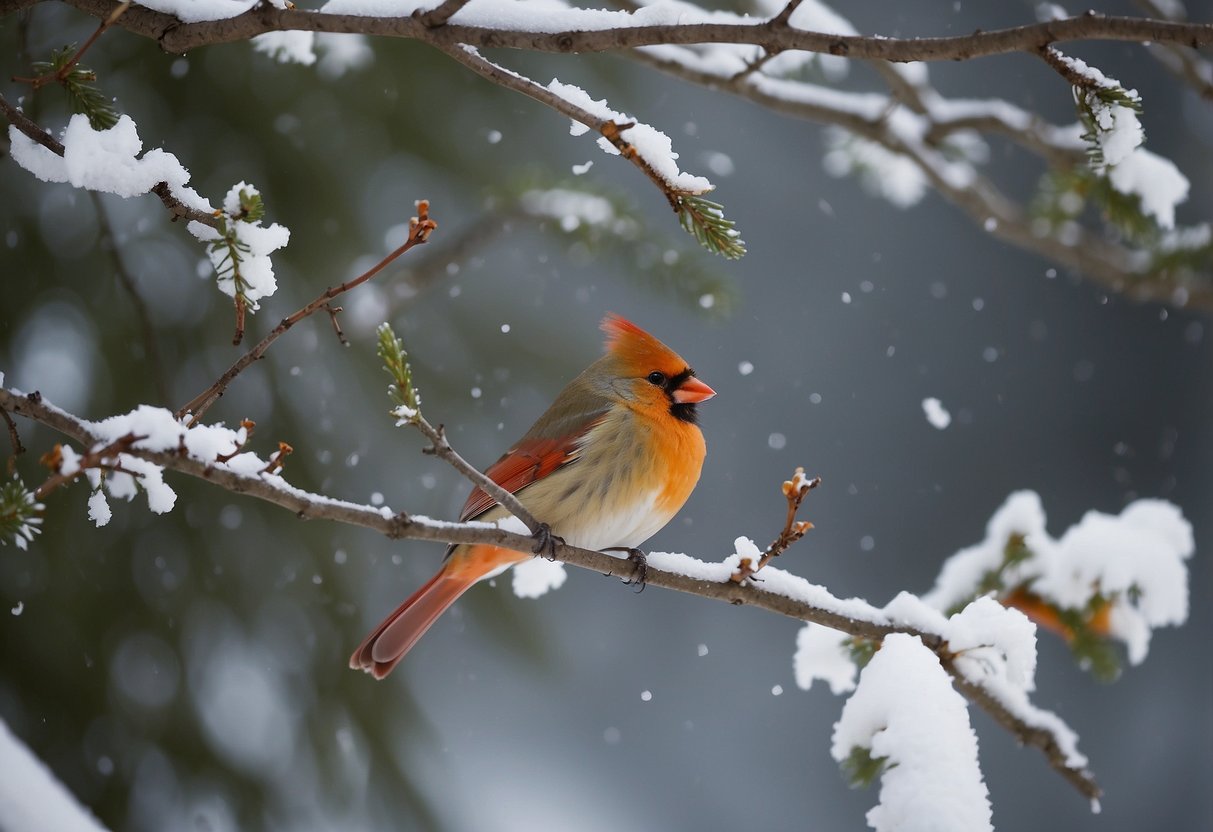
column 187, row 671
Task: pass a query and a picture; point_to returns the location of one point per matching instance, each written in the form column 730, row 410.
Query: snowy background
column 188, row 670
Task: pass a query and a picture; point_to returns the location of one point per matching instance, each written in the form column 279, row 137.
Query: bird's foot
column 636, row 556
column 545, row 541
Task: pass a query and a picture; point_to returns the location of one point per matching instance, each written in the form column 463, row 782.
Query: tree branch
column 501, row 76
column 30, row 128
column 420, row 228
column 400, row 525
column 1105, row 262
column 177, row 37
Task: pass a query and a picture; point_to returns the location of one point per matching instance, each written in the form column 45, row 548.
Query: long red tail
column 386, row 645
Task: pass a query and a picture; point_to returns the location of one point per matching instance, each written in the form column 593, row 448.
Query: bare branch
column 306, row 505
column 420, row 228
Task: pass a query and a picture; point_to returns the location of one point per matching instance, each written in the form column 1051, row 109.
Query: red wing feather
column 528, row 461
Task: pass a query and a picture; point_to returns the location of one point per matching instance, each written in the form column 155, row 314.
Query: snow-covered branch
column 216, row 455
column 573, row 30
column 180, row 205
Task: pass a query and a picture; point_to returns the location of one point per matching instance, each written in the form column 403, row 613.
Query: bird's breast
column 630, row 477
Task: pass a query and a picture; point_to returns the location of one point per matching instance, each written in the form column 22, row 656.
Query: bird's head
column 648, row 374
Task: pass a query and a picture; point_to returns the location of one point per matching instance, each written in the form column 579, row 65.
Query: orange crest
column 637, row 348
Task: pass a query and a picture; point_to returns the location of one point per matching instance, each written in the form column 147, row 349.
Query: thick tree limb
column 775, row 34
column 400, row 525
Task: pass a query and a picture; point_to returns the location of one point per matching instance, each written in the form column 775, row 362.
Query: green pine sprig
column 1088, row 101
column 232, row 249
column 396, row 362
column 860, row 768
column 82, row 92
column 20, row 514
column 705, row 221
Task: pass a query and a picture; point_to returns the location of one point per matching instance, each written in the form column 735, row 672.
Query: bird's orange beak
column 693, row 390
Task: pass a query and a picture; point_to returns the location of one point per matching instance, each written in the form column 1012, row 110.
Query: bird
column 606, row 466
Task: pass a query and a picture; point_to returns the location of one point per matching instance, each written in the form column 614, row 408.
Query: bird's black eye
column 657, row 378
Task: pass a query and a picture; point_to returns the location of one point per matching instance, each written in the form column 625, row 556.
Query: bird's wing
column 533, row 458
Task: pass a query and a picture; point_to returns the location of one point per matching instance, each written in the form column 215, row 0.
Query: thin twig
column 420, row 228
column 61, row 74
column 442, row 449
column 613, row 132
column 333, row 310
column 794, row 491
column 306, row 505
column 1060, row 64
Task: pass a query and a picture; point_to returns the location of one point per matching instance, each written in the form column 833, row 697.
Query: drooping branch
column 588, row 34
column 400, row 525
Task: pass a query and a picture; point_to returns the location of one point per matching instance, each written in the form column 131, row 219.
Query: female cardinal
column 610, row 462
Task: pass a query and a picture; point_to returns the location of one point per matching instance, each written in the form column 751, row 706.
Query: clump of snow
column 106, row 161
column 538, row 576
column 255, row 244
column 99, row 509
column 905, row 711
column 195, row 11
column 290, row 47
column 1136, row 561
column 936, row 413
column 653, row 146
column 1155, row 180
column 994, row 642
column 821, row 653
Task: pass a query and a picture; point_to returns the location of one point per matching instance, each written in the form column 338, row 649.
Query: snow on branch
column 184, row 26
column 103, row 161
column 647, row 148
column 214, row 454
column 907, row 724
